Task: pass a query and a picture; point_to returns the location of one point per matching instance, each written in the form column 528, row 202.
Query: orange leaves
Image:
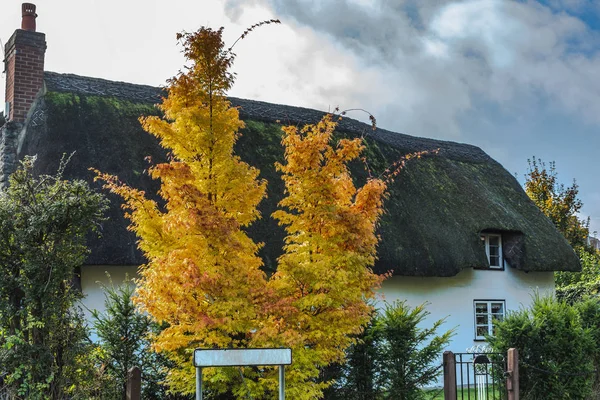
column 391, row 172
column 203, row 275
column 209, row 73
column 323, row 278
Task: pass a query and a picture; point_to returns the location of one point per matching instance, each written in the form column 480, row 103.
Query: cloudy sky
column 516, row 78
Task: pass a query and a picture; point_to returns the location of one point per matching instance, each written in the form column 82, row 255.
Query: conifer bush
column 395, row 358
column 125, row 342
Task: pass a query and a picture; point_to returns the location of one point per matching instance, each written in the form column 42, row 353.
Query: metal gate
column 480, row 376
column 475, row 376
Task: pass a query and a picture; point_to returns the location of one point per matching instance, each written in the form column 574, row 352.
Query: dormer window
column 493, row 249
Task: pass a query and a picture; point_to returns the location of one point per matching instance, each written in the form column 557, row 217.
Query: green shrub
column 554, row 349
column 44, row 223
column 589, row 312
column 394, row 358
column 574, row 287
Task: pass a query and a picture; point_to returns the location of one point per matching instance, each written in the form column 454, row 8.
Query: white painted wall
column 452, row 297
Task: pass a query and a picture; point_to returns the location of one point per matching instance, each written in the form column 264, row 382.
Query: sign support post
column 241, row 358
column 198, row 383
column 282, row 382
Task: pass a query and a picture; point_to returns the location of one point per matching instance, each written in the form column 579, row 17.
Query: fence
column 481, row 376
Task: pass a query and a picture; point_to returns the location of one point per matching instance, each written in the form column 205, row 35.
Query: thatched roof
column 436, row 210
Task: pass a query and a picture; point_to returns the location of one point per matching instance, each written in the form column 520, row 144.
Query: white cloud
column 435, row 47
column 481, row 25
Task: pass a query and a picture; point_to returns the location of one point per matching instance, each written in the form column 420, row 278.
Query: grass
column 466, row 394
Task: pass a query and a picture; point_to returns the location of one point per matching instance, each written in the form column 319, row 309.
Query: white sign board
column 241, row 357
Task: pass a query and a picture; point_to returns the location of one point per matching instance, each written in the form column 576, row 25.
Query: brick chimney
column 24, row 65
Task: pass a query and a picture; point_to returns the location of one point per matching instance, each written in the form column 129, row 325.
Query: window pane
column 494, row 261
column 494, row 251
column 487, row 313
column 481, row 308
column 498, row 308
column 482, row 330
column 494, row 241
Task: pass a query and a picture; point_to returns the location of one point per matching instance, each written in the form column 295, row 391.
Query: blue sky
column 586, row 10
column 517, row 78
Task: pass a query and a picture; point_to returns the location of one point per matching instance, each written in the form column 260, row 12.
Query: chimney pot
column 29, row 16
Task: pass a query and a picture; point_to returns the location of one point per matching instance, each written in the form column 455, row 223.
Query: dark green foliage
column 395, row 357
column 360, row 368
column 589, row 311
column 356, row 379
column 125, row 335
column 43, row 226
column 577, row 286
column 554, row 347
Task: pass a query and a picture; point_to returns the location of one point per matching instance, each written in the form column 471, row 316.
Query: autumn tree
column 203, row 276
column 44, row 221
column 558, row 202
column 561, row 204
column 323, row 279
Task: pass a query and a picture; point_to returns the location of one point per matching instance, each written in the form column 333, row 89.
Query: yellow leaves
column 203, row 275
column 324, row 278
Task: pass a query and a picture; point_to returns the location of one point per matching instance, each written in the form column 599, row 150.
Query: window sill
column 488, row 269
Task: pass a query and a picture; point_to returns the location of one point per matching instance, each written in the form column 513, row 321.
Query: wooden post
column 449, row 376
column 512, row 380
column 134, row 384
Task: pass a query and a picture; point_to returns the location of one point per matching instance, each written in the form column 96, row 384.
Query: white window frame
column 485, row 237
column 490, row 316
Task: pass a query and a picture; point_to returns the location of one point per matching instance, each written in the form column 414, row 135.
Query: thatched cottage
column 458, row 232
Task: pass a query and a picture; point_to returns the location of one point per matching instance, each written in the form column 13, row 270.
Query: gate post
column 512, row 378
column 449, row 376
column 134, row 384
